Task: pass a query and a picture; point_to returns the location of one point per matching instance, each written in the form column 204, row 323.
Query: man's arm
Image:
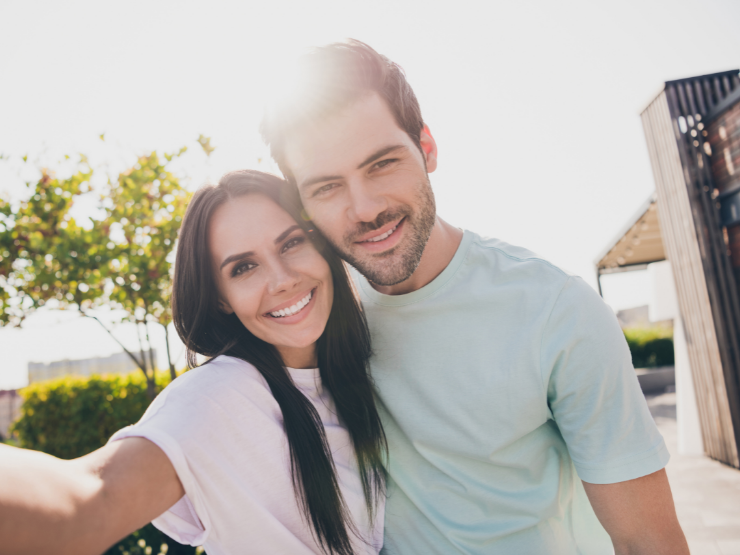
column 48, row 505
column 639, row 515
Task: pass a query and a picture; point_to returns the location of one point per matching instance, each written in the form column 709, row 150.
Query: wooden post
column 694, row 244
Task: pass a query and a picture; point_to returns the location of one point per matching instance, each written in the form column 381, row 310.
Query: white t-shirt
column 222, row 430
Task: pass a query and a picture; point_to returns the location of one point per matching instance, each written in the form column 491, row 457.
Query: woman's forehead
column 251, row 219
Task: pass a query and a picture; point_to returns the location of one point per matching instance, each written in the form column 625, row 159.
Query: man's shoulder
column 514, row 262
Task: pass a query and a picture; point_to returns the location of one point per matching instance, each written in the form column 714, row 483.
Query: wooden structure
column 638, row 244
column 696, row 243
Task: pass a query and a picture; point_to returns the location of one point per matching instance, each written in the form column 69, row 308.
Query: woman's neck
column 299, row 357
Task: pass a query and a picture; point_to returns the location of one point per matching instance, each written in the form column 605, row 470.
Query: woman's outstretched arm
column 82, row 506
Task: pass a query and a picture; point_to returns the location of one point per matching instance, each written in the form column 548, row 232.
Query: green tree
column 144, row 212
column 46, row 256
column 123, row 261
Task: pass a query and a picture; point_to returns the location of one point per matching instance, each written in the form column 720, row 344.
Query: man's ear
column 429, row 148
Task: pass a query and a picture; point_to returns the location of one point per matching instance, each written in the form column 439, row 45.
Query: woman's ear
column 225, row 307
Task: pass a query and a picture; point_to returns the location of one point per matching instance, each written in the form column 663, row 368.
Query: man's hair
column 330, row 78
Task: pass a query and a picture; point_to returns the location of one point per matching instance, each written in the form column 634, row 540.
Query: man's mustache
column 382, row 219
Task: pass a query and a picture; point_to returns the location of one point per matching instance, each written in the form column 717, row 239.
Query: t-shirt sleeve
column 163, row 424
column 593, row 392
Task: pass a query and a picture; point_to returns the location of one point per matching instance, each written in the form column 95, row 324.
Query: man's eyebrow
column 369, row 160
column 319, row 179
column 243, row 255
column 380, row 153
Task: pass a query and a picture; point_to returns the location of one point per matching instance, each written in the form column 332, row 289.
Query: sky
column 534, row 106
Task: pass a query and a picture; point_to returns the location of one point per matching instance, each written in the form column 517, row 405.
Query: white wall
column 664, row 306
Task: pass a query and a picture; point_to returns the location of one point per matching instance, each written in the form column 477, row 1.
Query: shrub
column 72, row 416
column 650, row 347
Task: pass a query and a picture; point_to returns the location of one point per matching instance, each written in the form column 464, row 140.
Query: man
column 505, row 385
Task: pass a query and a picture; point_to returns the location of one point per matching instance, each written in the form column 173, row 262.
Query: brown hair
column 343, row 351
column 332, row 77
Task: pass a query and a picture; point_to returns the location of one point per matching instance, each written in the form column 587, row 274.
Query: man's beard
column 398, row 264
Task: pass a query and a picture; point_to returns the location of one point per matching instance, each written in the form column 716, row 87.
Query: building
column 692, row 129
column 119, row 363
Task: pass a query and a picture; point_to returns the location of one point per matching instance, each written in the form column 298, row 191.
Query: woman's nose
column 283, row 277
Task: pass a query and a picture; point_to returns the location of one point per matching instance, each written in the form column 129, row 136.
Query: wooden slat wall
column 682, row 248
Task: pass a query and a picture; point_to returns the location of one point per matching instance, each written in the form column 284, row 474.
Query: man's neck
column 438, row 253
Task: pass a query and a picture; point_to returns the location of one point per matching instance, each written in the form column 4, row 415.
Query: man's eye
column 384, row 163
column 324, row 189
column 242, row 268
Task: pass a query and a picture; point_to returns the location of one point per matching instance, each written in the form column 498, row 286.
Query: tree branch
column 141, row 350
column 173, row 374
column 149, row 343
column 125, row 350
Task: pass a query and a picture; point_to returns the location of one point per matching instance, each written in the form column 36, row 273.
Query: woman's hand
column 48, row 505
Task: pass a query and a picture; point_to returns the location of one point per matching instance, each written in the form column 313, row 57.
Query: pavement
column 706, row 492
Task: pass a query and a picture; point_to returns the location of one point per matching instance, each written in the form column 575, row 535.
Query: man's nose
column 282, row 278
column 366, row 202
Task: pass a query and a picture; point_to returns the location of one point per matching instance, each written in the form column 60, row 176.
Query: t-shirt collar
column 371, row 295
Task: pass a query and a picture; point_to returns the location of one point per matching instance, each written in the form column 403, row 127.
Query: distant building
column 10, row 410
column 639, row 317
column 119, row 363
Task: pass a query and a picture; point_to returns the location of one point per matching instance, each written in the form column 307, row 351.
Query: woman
column 255, row 451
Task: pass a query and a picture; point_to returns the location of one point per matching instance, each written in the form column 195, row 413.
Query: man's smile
column 384, row 238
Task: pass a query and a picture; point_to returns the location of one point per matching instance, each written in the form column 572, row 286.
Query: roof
column 637, row 244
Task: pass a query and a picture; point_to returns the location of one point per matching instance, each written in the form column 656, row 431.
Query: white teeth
column 381, row 237
column 295, row 309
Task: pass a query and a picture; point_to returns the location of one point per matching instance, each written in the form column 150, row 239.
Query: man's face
column 364, row 183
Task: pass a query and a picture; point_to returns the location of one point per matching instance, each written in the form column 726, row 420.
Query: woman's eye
column 241, row 268
column 294, row 242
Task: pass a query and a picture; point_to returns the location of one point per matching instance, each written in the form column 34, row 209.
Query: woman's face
column 271, row 276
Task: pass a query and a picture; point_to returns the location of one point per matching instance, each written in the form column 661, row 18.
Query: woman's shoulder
column 215, row 371
column 220, row 393
column 217, row 381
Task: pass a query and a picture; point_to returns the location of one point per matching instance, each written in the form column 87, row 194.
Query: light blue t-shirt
column 500, row 384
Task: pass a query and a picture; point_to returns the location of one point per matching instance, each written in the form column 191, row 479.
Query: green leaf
column 205, row 143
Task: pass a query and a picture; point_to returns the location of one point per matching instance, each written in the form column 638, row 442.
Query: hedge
column 72, row 416
column 650, row 347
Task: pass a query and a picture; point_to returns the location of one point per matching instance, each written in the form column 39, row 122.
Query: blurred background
column 534, row 107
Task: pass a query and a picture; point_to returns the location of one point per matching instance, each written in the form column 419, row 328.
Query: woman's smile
column 292, row 312
column 271, row 276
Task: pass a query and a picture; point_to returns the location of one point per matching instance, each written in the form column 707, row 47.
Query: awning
column 637, row 245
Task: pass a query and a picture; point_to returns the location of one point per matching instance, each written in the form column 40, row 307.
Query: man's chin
column 384, row 270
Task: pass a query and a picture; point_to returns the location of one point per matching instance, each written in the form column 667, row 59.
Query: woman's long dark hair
column 343, row 350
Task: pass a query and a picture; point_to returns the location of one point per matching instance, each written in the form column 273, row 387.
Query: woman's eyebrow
column 242, row 255
column 287, row 232
column 235, row 257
